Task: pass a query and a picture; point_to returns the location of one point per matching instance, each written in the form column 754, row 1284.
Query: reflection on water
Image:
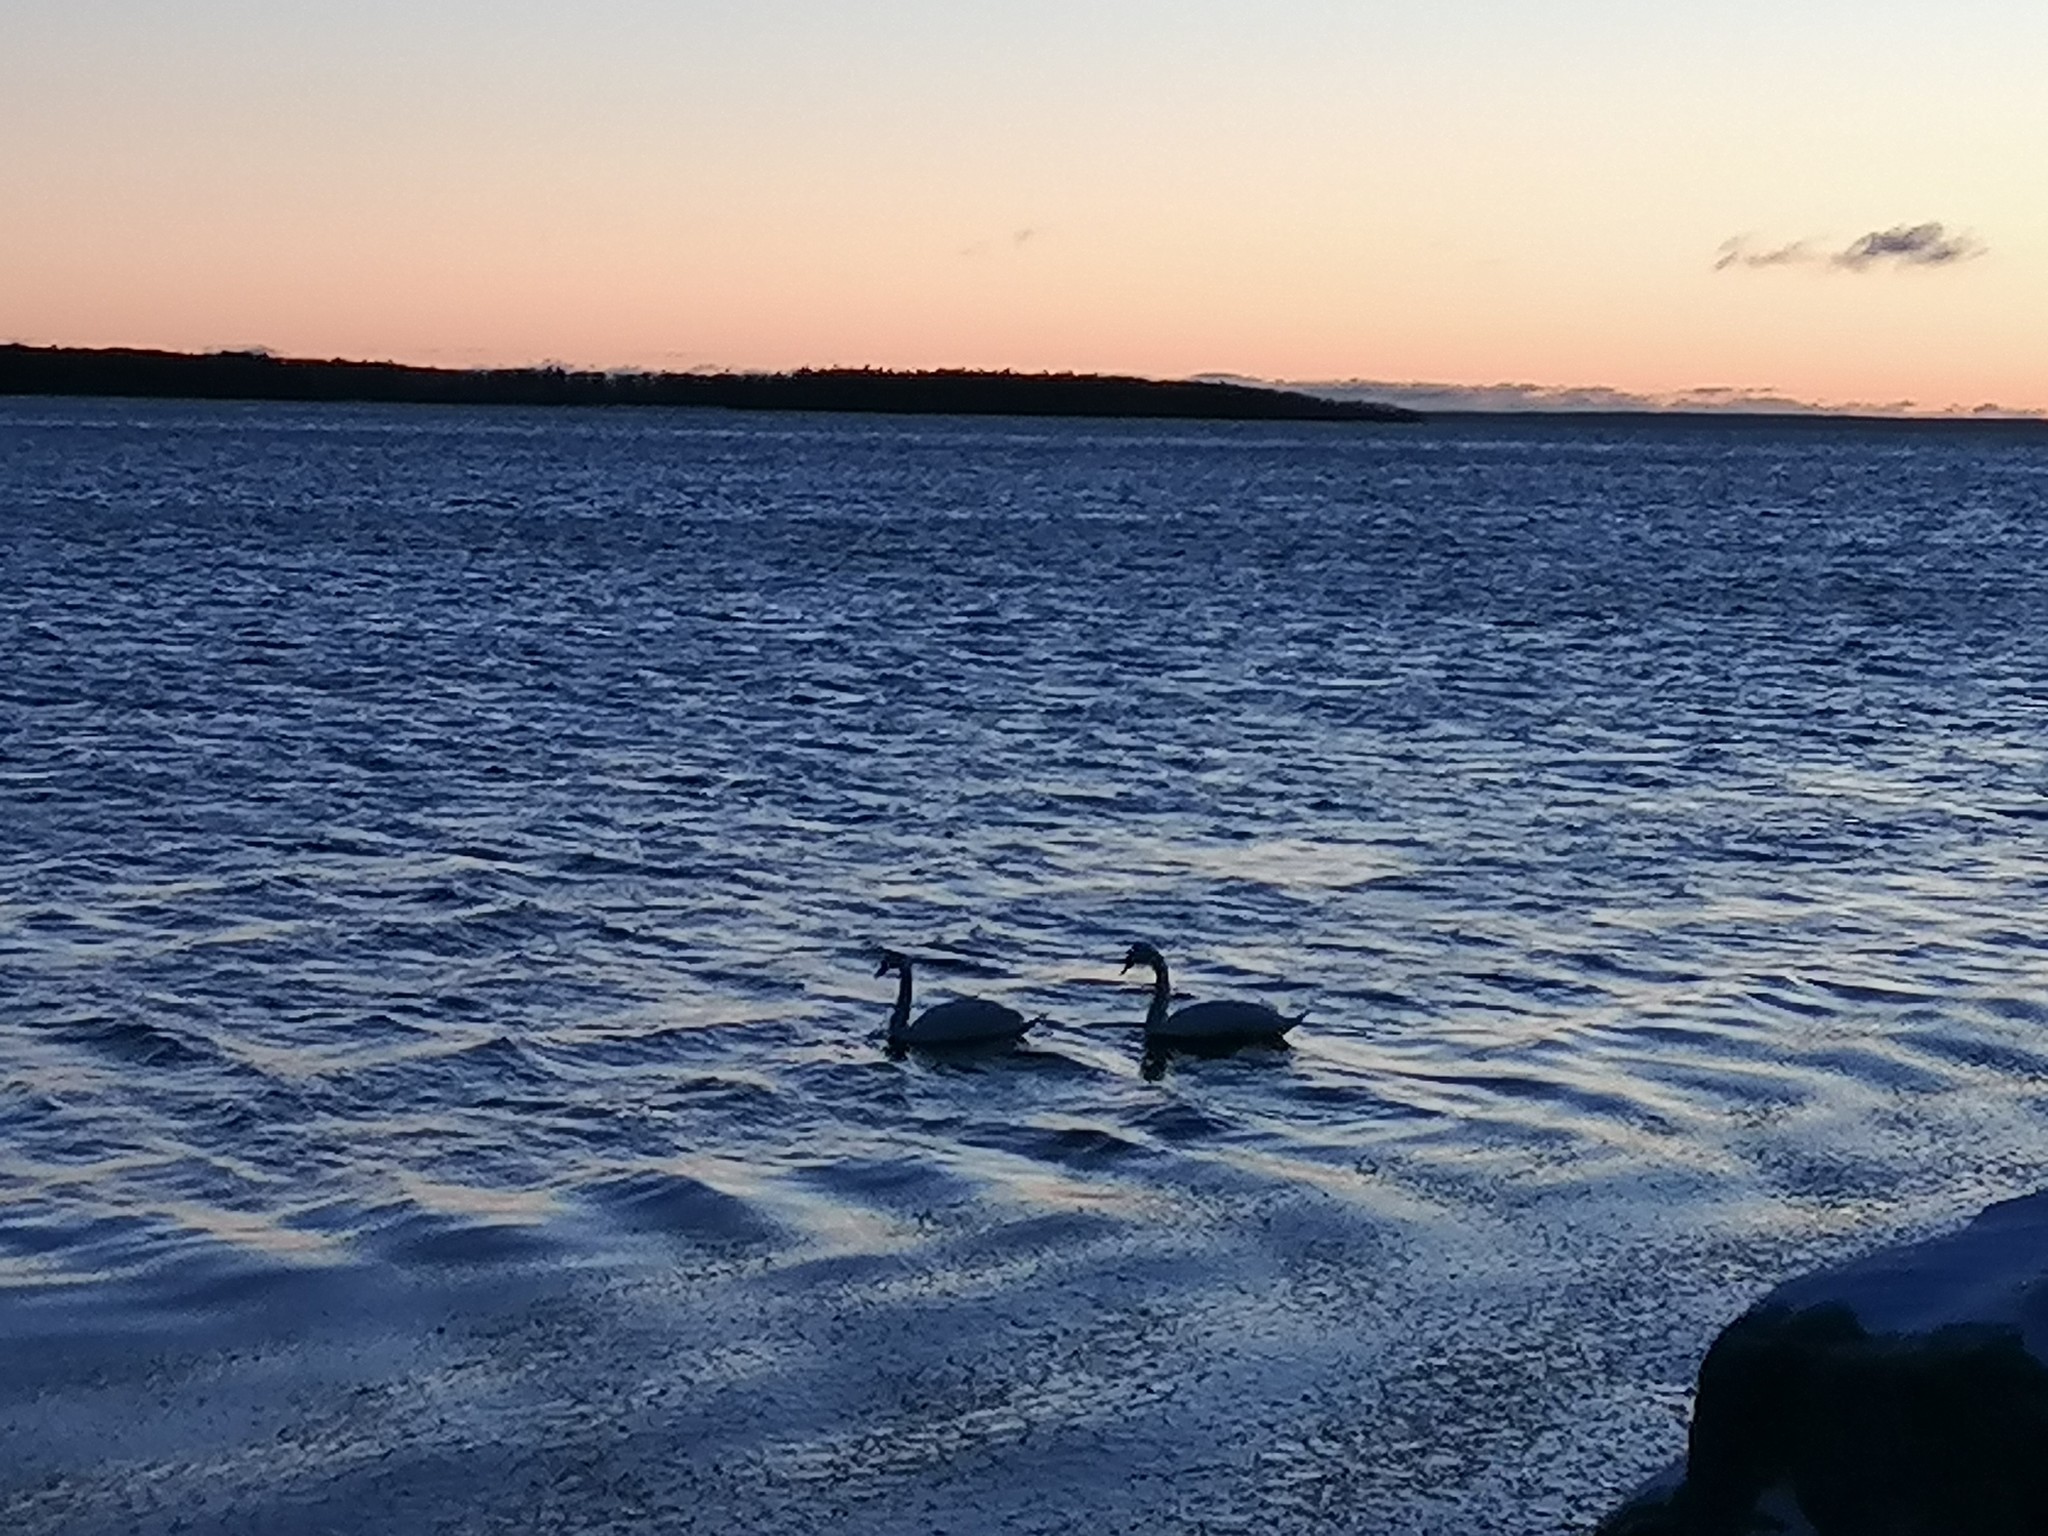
column 447, row 853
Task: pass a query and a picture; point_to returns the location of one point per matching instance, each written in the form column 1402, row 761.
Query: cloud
column 1431, row 397
column 1903, row 245
column 1908, row 245
column 1018, row 240
column 1740, row 253
column 1424, row 396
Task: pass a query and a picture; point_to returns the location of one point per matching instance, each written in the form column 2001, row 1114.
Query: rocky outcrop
column 1903, row 1395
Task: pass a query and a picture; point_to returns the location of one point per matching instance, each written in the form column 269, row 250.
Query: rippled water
column 444, row 854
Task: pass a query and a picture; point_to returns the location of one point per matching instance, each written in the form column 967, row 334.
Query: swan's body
column 1224, row 1019
column 1214, row 1023
column 963, row 1021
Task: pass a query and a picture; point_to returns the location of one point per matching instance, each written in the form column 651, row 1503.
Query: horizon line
column 1429, row 397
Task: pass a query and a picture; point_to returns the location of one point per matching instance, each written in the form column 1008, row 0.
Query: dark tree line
column 259, row 376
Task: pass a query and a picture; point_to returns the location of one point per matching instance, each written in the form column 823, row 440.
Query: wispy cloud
column 1740, row 252
column 1019, row 238
column 1903, row 245
column 1429, row 397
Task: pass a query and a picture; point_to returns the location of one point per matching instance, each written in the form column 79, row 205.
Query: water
column 446, row 852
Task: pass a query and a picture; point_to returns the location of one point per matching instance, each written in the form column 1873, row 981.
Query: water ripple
column 451, row 845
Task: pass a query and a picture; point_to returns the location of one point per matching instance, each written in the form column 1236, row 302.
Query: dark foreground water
column 442, row 855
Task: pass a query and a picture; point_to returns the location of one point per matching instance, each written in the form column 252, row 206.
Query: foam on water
column 446, row 851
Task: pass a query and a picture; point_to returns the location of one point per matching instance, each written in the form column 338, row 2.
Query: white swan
column 963, row 1021
column 1222, row 1022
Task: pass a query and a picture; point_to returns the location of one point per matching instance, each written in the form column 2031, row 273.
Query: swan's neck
column 1162, row 994
column 900, row 1019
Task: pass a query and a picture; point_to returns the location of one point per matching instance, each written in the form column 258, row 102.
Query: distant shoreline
column 149, row 374
column 1788, row 421
column 142, row 374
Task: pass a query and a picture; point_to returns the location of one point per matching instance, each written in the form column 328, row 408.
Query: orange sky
column 1471, row 191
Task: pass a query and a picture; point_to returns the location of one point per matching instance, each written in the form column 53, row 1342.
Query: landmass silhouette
column 26, row 370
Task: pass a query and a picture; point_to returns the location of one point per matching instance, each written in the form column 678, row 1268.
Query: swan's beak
column 882, row 969
column 1126, row 968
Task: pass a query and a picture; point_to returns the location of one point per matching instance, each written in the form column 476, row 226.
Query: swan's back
column 962, row 1022
column 1224, row 1019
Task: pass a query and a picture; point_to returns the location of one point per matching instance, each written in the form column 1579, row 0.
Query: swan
column 1222, row 1022
column 963, row 1021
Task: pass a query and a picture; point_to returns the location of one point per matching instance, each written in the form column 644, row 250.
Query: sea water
column 444, row 854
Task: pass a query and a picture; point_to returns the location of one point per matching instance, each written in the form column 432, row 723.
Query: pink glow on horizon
column 1343, row 191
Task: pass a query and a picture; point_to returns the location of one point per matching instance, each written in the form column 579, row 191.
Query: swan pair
column 976, row 1021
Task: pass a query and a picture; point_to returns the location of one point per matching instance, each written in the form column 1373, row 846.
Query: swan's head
column 892, row 961
column 1144, row 954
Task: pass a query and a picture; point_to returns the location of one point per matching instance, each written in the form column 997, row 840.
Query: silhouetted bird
column 963, row 1021
column 1224, row 1022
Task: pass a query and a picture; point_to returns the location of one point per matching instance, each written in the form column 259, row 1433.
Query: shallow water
column 446, row 851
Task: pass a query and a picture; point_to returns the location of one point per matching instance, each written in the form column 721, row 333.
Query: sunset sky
column 1643, row 195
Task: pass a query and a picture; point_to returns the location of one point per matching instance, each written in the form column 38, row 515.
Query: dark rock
column 1901, row 1396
